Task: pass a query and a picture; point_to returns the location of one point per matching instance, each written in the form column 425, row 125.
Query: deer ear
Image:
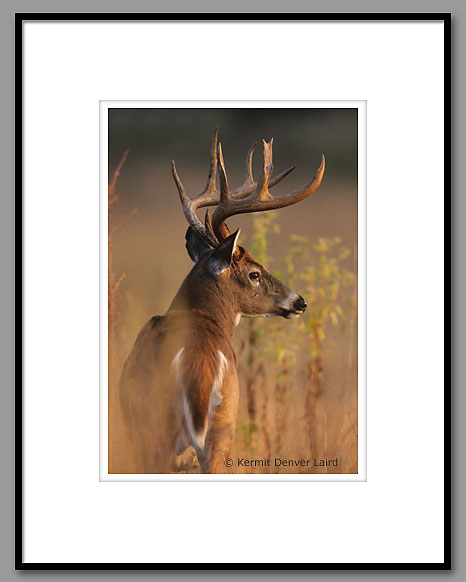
column 195, row 245
column 222, row 256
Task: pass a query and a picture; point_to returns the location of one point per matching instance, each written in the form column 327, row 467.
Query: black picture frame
column 20, row 18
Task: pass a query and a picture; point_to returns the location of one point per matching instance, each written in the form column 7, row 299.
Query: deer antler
column 210, row 196
column 260, row 199
column 207, row 197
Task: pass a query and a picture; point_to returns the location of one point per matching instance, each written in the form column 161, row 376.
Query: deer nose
column 300, row 304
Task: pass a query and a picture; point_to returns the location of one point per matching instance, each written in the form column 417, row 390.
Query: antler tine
column 225, row 198
column 207, row 197
column 224, row 193
column 210, row 186
column 280, row 177
column 261, row 199
column 249, row 185
column 262, row 191
column 248, row 177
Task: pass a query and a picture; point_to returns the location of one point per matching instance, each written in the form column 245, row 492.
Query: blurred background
column 298, row 377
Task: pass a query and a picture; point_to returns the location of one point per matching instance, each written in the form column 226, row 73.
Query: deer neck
column 209, row 299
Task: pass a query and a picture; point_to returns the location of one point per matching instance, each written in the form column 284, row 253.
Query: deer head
column 221, row 265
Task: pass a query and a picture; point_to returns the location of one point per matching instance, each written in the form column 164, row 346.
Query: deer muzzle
column 293, row 307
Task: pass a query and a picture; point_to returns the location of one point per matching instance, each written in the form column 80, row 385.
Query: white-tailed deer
column 179, row 386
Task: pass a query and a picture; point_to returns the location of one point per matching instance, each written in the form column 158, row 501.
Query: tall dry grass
column 117, row 218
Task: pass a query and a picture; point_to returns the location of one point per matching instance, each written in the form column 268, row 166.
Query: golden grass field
column 298, row 378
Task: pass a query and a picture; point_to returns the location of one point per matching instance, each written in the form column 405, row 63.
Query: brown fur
column 200, row 364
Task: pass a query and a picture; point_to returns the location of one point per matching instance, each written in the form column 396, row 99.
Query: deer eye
column 254, row 275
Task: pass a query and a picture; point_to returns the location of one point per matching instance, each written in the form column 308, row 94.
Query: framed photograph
column 229, row 275
column 288, row 398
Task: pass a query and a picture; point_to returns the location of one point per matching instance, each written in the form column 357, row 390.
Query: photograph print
column 232, row 291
